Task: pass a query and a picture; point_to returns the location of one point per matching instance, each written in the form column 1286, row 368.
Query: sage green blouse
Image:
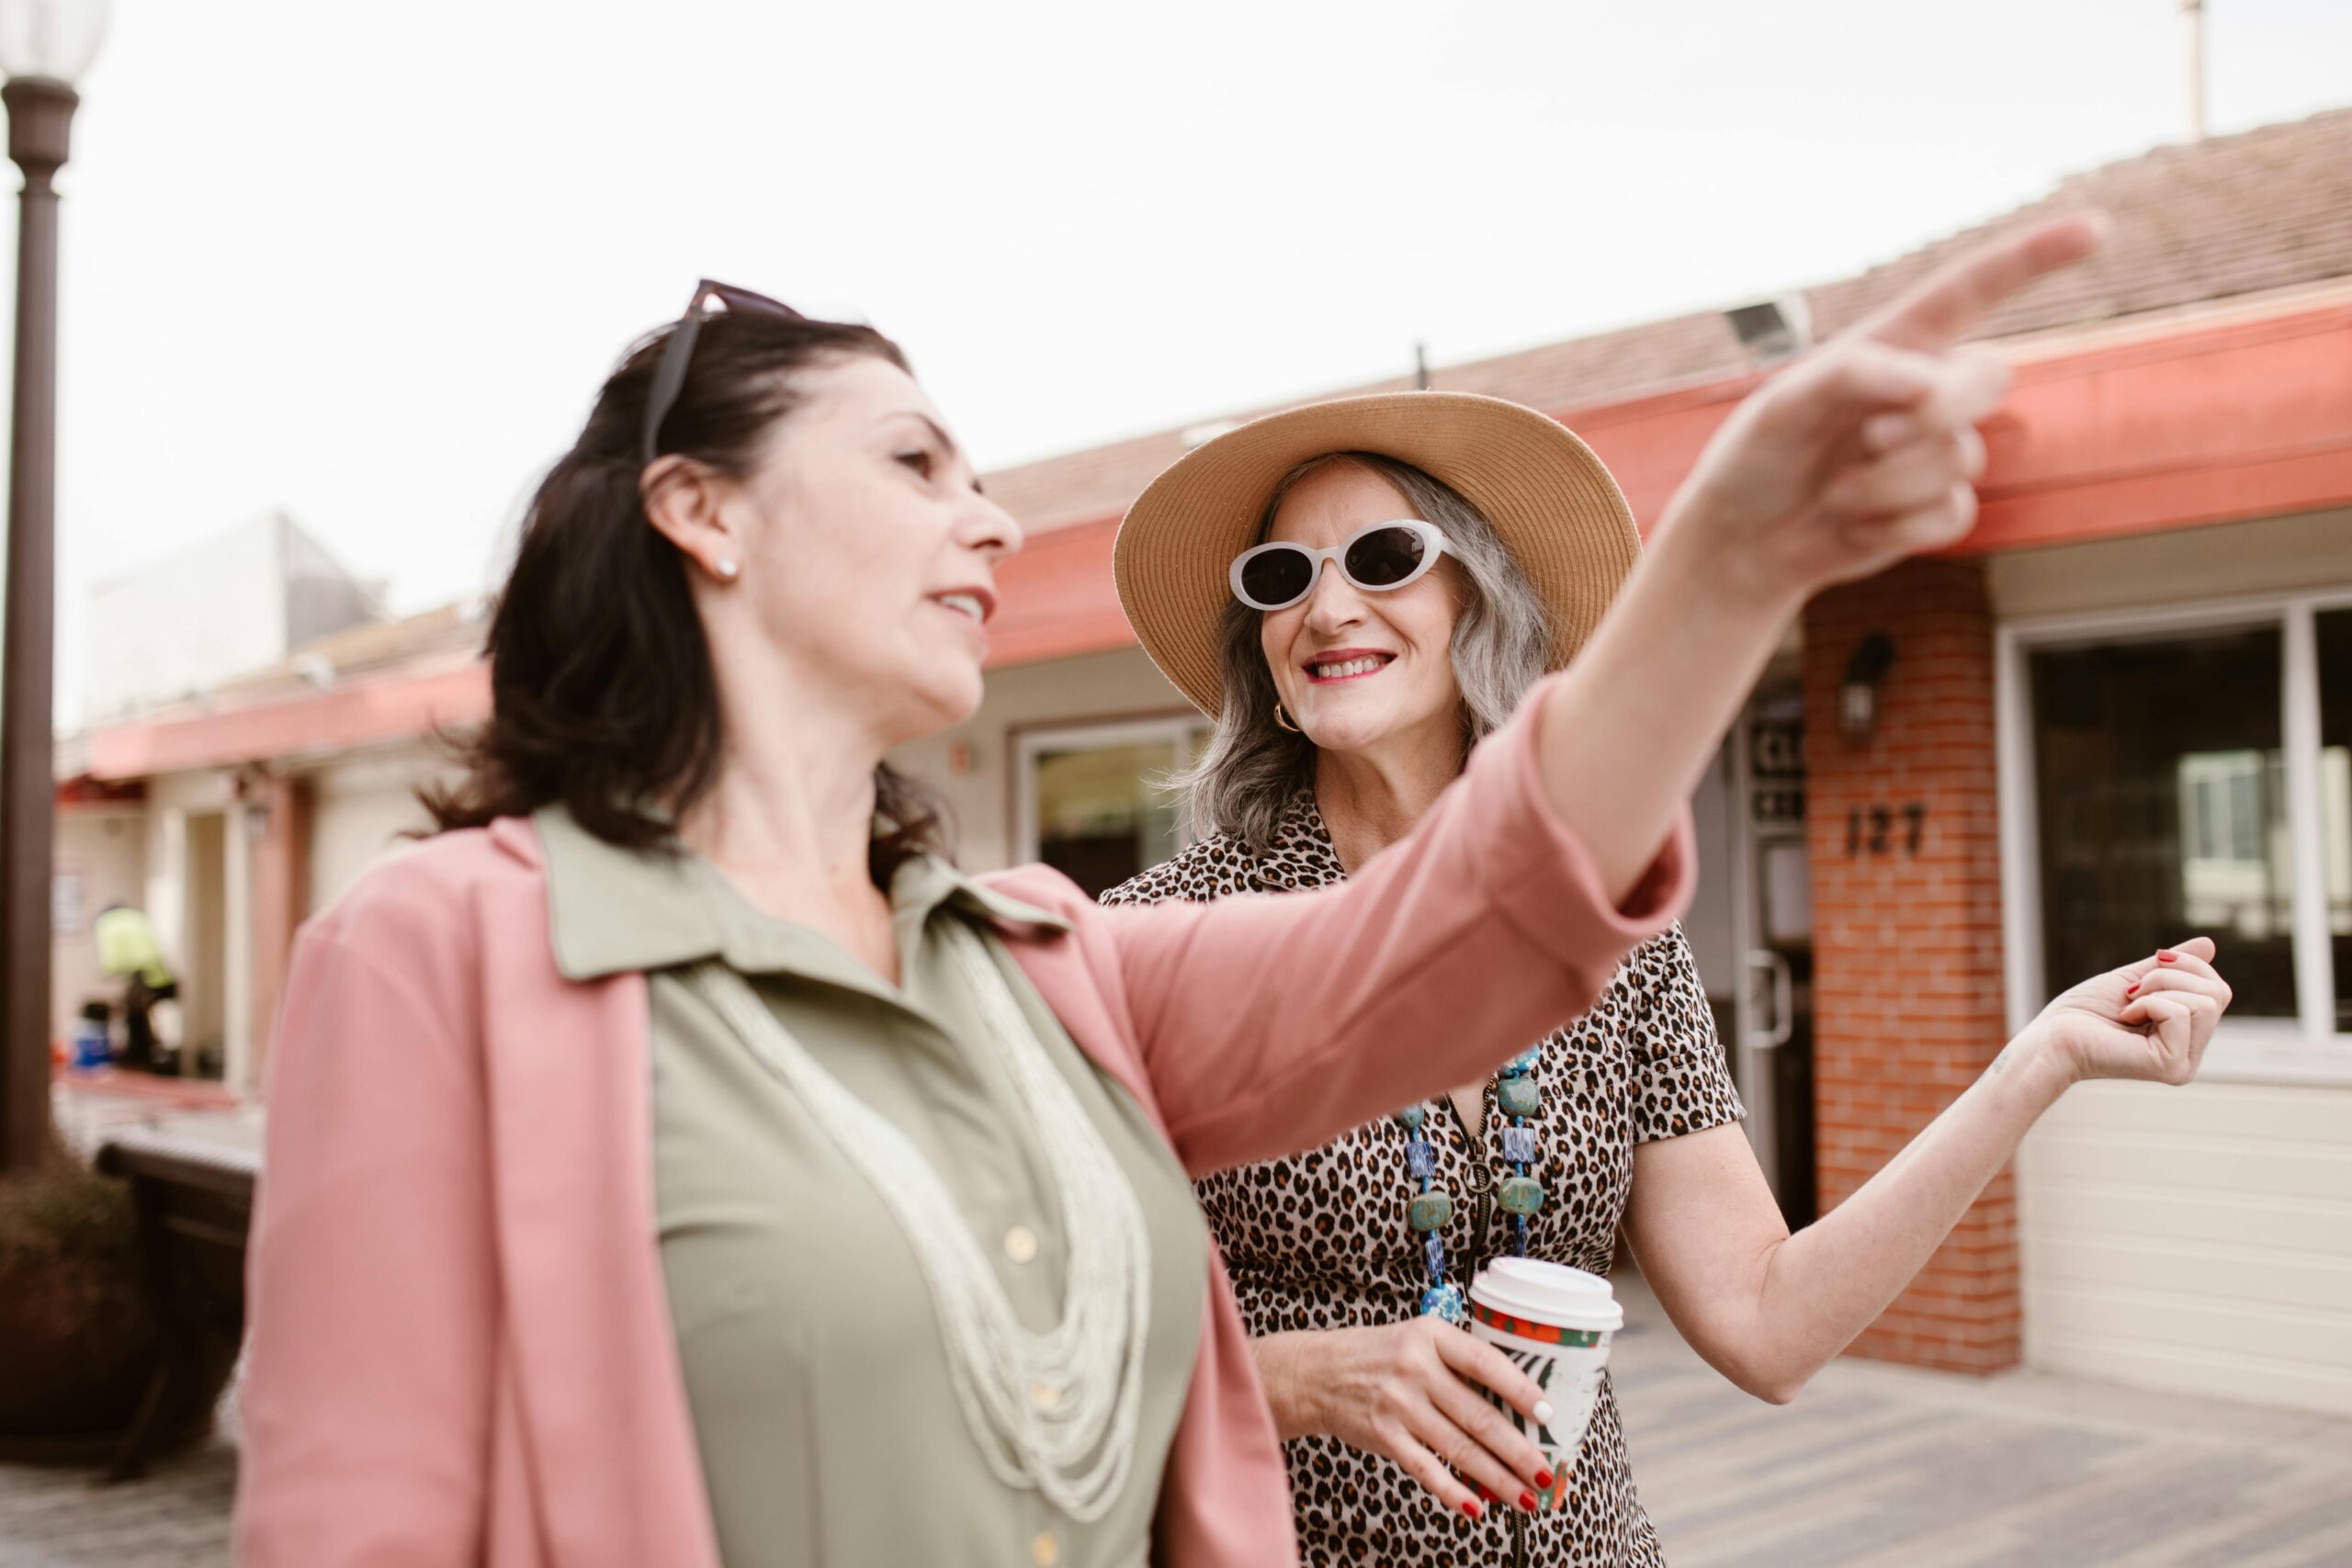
column 813, row 1360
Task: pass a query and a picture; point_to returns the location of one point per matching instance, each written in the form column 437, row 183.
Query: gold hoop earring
column 1281, row 720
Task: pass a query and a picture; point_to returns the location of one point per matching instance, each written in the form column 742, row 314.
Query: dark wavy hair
column 602, row 691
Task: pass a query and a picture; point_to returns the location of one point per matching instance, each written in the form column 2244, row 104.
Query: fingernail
column 2165, row 955
column 1527, row 1502
column 2133, row 989
column 1544, row 1479
column 1471, row 1509
column 1485, row 1495
column 1544, row 1412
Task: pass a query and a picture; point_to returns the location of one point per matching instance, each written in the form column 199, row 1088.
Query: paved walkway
column 1876, row 1466
column 177, row 1517
column 1873, row 1467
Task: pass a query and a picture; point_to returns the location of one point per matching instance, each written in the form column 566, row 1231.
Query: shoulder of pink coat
column 1044, row 886
column 420, row 885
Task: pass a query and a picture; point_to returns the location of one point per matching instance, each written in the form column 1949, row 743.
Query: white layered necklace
column 1054, row 1412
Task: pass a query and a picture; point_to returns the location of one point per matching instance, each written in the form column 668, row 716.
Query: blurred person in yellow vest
column 128, row 950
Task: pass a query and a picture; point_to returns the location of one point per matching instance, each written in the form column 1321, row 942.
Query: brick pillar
column 1907, row 1001
column 281, row 896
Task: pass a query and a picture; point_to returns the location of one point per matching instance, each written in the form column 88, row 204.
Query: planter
column 79, row 1342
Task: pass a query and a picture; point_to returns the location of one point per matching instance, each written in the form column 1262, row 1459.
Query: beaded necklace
column 1520, row 1096
column 1055, row 1410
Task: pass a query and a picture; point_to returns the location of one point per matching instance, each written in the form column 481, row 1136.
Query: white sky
column 369, row 262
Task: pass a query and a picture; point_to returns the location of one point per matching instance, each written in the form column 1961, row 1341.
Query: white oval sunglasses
column 1379, row 557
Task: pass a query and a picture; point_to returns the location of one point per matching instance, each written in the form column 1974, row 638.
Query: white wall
column 1096, row 687
column 213, row 610
column 224, row 606
column 102, row 853
column 2263, row 557
column 359, row 811
column 2196, row 1239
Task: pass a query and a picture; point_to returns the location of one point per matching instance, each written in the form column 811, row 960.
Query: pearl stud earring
column 728, row 570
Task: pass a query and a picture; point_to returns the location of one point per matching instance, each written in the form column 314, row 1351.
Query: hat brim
column 1554, row 505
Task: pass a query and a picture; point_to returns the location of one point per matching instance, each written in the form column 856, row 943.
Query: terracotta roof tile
column 2237, row 215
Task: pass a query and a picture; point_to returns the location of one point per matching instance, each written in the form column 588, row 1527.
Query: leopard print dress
column 1319, row 1241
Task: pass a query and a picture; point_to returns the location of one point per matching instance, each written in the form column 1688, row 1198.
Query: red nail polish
column 1544, row 1479
column 1471, row 1509
column 2133, row 989
column 2165, row 955
column 1485, row 1495
column 1527, row 1501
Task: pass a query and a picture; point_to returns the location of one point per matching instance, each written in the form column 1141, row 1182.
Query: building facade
column 2121, row 715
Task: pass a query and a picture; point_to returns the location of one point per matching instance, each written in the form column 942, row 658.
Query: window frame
column 1098, row 733
column 2307, row 1048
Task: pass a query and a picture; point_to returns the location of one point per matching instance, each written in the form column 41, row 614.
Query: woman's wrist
column 1289, row 1393
column 1731, row 575
column 2036, row 1066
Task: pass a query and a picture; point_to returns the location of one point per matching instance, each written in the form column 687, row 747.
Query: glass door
column 1092, row 800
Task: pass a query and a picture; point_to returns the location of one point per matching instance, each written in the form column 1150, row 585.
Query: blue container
column 92, row 1047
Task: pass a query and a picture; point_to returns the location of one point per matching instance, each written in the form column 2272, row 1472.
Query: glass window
column 2333, row 636
column 2162, row 807
column 1102, row 814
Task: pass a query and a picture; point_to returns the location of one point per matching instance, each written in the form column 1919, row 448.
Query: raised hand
column 1866, row 450
column 2151, row 1020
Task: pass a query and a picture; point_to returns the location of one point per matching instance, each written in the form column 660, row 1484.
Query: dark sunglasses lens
column 1276, row 577
column 1384, row 558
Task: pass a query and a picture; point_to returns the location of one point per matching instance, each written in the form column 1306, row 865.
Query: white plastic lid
column 1548, row 1293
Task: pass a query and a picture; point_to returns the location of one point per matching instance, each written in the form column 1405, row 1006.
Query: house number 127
column 1871, row 829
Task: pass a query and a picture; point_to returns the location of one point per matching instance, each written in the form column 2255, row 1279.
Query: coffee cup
column 1554, row 1323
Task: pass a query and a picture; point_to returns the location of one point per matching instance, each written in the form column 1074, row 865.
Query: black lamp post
column 44, row 45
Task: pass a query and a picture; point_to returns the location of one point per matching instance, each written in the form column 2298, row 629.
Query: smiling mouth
column 967, row 604
column 1353, row 668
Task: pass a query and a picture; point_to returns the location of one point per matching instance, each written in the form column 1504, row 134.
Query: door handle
column 1784, row 1000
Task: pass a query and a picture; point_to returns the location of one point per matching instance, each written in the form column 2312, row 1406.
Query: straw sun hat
column 1558, row 511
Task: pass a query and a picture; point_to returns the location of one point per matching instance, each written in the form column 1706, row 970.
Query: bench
column 194, row 1203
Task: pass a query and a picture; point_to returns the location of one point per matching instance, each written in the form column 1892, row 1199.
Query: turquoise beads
column 1517, row 1096
column 1520, row 1096
column 1427, row 1212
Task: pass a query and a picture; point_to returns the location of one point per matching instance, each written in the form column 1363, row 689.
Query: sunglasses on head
column 1377, row 559
column 670, row 375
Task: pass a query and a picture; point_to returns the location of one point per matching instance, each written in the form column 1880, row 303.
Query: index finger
column 1933, row 315
column 1483, row 1364
column 2192, row 956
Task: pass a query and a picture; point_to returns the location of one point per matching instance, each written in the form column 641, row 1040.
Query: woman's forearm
column 1627, row 734
column 1861, row 453
column 1830, row 1280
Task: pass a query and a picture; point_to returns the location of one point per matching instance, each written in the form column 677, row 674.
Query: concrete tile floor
column 1871, row 1467
column 1876, row 1466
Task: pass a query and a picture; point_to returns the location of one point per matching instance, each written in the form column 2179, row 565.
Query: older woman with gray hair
column 1346, row 699
column 1357, row 591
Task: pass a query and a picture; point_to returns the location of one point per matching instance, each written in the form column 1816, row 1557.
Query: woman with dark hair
column 676, row 1161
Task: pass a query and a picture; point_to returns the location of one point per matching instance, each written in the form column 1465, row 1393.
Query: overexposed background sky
column 367, row 263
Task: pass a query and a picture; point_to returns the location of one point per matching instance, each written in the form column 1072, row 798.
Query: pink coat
column 462, row 1349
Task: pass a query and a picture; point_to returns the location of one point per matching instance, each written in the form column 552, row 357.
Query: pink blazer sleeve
column 1274, row 1022
column 366, row 1404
